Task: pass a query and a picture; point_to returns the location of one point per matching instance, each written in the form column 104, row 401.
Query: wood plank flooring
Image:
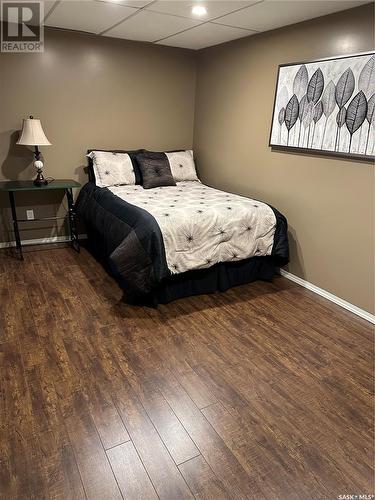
column 264, row 392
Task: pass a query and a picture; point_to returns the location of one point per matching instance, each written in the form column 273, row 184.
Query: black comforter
column 129, row 243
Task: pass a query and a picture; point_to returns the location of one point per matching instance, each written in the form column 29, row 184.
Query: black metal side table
column 66, row 185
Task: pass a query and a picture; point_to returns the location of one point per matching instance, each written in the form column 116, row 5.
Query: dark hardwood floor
column 264, row 392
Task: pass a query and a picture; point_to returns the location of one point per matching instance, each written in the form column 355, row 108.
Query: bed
column 174, row 241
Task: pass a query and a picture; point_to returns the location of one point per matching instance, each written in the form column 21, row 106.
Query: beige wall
column 329, row 202
column 90, row 92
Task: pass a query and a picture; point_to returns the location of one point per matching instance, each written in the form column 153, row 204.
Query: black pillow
column 133, row 157
column 155, row 170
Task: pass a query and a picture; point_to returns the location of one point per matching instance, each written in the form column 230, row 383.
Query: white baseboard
column 329, row 296
column 41, row 241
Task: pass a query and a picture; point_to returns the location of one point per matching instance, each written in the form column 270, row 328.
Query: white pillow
column 112, row 169
column 182, row 165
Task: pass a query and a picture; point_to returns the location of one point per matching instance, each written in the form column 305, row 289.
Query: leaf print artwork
column 344, row 91
column 366, row 83
column 326, row 105
column 370, row 117
column 340, row 120
column 366, row 80
column 328, row 99
column 291, row 114
column 307, row 119
column 301, row 113
column 281, row 116
column 281, row 119
column 356, row 114
column 329, row 103
column 340, row 117
column 318, row 112
column 300, row 82
column 283, row 97
column 344, row 88
column 315, row 86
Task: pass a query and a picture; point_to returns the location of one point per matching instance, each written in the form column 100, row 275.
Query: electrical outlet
column 30, row 214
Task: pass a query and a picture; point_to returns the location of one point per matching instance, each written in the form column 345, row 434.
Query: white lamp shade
column 32, row 134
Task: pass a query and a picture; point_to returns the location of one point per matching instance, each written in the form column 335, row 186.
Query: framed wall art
column 326, row 106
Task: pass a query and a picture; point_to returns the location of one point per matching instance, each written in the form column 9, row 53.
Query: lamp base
column 40, row 180
column 38, row 164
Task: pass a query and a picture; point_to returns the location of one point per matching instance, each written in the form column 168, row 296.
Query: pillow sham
column 155, row 170
column 112, row 168
column 133, row 156
column 182, row 165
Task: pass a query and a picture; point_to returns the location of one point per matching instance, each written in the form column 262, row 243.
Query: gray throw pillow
column 155, row 170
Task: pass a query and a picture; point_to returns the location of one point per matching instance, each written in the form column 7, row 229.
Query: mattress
column 202, row 226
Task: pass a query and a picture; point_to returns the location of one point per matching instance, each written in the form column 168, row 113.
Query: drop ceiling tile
column 90, row 16
column 271, row 14
column 183, row 7
column 150, row 26
column 47, row 6
column 129, row 3
column 205, row 35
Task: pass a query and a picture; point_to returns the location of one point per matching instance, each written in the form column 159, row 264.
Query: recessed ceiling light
column 199, row 10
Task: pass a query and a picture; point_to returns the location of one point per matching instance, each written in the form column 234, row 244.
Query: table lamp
column 32, row 135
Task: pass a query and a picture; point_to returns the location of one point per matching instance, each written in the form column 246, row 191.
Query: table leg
column 71, row 219
column 15, row 224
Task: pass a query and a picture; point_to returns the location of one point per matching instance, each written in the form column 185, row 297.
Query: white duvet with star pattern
column 202, row 226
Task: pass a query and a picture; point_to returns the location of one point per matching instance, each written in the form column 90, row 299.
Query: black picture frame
column 292, row 148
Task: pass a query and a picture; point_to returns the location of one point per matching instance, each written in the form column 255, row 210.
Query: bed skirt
column 217, row 278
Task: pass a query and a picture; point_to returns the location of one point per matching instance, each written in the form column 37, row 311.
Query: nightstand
column 66, row 185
